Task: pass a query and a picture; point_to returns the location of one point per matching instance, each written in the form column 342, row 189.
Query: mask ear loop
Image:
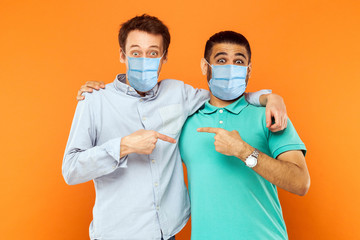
column 208, row 82
column 163, row 55
column 208, row 63
column 124, row 54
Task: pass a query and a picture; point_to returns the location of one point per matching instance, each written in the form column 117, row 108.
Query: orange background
column 307, row 51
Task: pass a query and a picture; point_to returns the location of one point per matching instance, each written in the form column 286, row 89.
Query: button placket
column 221, row 116
column 142, row 113
column 155, row 179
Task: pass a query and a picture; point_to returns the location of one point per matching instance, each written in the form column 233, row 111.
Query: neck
column 217, row 102
column 140, row 93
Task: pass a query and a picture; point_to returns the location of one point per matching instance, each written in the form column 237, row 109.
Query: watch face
column 251, row 161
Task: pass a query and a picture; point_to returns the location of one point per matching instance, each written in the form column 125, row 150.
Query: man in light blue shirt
column 125, row 140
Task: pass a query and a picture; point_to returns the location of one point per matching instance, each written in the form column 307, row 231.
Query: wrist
column 244, row 151
column 263, row 99
column 272, row 97
column 124, row 147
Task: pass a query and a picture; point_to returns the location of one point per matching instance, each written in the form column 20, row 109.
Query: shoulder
column 257, row 116
column 96, row 96
column 255, row 111
column 171, row 83
column 173, row 88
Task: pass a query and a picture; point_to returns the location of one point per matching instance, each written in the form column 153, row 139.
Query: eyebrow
column 240, row 54
column 224, row 53
column 152, row 46
column 220, row 53
column 134, row 46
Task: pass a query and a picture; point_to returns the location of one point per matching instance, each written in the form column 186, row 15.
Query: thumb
column 268, row 118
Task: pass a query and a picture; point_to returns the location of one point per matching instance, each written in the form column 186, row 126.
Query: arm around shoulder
column 195, row 98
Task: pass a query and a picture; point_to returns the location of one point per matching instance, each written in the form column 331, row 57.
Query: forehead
column 141, row 39
column 230, row 49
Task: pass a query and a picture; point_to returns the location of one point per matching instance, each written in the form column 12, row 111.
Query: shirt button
column 221, row 111
column 157, row 207
column 153, row 161
column 156, row 184
column 144, row 118
column 141, row 100
column 221, row 122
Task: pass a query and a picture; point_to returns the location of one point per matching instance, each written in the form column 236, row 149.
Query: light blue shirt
column 137, row 196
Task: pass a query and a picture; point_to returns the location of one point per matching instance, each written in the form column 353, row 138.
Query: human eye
column 135, row 54
column 239, row 62
column 153, row 54
column 221, row 61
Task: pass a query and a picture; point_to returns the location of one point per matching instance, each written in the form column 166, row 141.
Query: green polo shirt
column 229, row 200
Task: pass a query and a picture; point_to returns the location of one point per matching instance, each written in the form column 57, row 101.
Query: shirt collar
column 120, row 84
column 234, row 108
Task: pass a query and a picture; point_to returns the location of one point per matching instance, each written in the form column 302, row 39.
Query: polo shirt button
column 153, row 161
column 221, row 122
column 221, row 111
column 141, row 100
column 144, row 118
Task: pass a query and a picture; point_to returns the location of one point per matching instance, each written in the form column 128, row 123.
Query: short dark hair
column 226, row 37
column 146, row 23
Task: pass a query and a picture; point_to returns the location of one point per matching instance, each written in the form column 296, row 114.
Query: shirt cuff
column 290, row 147
column 112, row 147
column 254, row 97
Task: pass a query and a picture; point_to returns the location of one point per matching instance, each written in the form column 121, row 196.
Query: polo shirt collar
column 234, row 108
column 120, row 84
column 208, row 108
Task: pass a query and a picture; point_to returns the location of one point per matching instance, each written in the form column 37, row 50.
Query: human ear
column 164, row 59
column 122, row 56
column 204, row 66
column 249, row 70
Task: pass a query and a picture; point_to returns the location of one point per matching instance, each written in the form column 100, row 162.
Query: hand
column 275, row 108
column 88, row 87
column 229, row 143
column 142, row 142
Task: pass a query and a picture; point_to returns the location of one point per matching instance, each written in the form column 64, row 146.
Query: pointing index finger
column 165, row 138
column 208, row 130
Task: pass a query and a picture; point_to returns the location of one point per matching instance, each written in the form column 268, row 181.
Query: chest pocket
column 172, row 117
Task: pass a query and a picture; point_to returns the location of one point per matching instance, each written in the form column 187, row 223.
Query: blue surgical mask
column 228, row 82
column 143, row 72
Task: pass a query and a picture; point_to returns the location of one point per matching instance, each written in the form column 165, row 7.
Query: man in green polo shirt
column 233, row 180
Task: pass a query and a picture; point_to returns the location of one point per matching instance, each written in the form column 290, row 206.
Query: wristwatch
column 252, row 159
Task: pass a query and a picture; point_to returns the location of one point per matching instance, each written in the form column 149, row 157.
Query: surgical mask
column 228, row 82
column 142, row 73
